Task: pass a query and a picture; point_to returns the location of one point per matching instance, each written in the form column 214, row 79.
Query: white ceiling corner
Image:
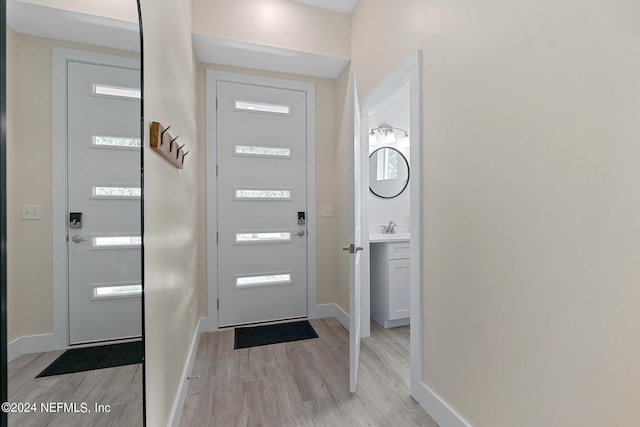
column 342, row 6
column 60, row 24
column 216, row 50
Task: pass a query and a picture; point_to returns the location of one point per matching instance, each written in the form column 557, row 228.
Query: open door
column 357, row 234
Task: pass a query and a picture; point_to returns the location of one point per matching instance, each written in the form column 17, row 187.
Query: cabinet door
column 398, row 289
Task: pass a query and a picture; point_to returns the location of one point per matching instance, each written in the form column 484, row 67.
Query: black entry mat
column 90, row 358
column 255, row 336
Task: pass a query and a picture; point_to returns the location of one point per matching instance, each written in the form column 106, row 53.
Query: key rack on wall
column 166, row 146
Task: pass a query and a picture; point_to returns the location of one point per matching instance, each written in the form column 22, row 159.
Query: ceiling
column 31, row 17
column 59, row 24
column 342, row 6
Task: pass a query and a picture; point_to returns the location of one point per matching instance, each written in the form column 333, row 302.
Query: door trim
column 410, row 71
column 211, row 79
column 60, row 273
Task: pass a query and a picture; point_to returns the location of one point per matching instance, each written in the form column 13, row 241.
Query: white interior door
column 358, row 234
column 103, row 185
column 262, row 237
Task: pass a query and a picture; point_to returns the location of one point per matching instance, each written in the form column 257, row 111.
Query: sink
column 373, row 238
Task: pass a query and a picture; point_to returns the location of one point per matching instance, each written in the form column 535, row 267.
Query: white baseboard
column 396, row 323
column 30, row 344
column 209, row 324
column 437, row 408
column 332, row 310
column 178, row 404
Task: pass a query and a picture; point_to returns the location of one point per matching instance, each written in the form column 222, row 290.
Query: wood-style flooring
column 303, row 383
column 120, row 388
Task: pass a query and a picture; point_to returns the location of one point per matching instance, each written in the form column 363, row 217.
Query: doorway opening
column 96, row 199
column 260, row 199
column 392, row 212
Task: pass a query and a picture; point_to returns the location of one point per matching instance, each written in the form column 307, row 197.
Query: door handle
column 78, row 239
column 352, row 249
column 300, row 233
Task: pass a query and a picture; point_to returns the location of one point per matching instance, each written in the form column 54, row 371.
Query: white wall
column 531, row 206
column 172, row 272
column 394, row 112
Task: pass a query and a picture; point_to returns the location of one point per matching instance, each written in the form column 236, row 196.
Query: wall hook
column 178, row 150
column 158, row 133
column 172, row 141
column 162, row 135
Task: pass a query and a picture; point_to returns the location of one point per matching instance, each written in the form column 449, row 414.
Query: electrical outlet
column 327, row 211
column 31, row 212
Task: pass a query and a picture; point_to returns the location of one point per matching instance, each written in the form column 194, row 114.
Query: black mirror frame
column 406, row 183
column 144, row 358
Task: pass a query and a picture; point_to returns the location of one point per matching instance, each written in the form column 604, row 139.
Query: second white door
column 262, row 203
column 103, row 217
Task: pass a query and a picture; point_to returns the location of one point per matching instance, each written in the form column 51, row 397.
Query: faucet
column 389, row 228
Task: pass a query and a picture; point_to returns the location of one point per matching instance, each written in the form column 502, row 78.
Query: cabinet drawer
column 399, row 250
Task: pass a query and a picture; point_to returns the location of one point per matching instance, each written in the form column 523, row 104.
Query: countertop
column 392, row 237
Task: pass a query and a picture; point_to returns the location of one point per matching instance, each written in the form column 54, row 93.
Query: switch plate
column 327, row 211
column 31, row 212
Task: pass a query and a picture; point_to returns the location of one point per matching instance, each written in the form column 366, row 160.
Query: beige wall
column 278, row 23
column 171, row 204
column 328, row 244
column 342, row 190
column 29, row 263
column 13, row 300
column 530, row 202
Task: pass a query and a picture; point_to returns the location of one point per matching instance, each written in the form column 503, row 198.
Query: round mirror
column 388, row 172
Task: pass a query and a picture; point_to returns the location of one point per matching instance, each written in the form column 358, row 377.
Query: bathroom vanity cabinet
column 390, row 282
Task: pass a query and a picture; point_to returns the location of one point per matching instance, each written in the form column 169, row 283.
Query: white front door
column 103, row 202
column 358, row 233
column 262, row 203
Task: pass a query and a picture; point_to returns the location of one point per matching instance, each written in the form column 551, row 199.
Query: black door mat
column 90, row 358
column 255, row 336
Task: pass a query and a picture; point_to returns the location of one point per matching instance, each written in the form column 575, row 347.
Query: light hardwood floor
column 120, row 387
column 303, row 383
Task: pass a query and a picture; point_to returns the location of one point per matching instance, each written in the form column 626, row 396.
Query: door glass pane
column 262, row 107
column 246, row 150
column 258, row 194
column 271, row 279
column 117, row 291
column 112, row 142
column 116, row 241
column 262, row 237
column 114, row 91
column 116, row 192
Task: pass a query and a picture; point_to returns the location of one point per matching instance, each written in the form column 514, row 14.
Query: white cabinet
column 390, row 283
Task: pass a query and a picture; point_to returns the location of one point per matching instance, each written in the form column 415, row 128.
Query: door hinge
column 217, row 237
column 216, row 103
column 216, row 170
column 218, row 303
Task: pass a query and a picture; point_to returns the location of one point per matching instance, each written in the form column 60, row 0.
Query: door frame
column 409, row 72
column 211, row 217
column 60, row 276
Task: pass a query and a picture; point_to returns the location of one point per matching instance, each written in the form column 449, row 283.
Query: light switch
column 31, row 212
column 327, row 211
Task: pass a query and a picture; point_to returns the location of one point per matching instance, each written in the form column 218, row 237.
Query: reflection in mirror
column 388, row 172
column 74, row 302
